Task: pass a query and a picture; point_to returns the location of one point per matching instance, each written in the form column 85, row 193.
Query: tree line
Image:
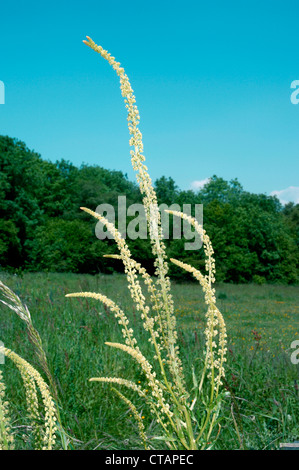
column 42, row 228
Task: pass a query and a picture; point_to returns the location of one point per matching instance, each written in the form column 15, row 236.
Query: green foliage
column 252, row 234
column 69, row 246
column 10, row 246
column 166, row 190
column 63, row 245
column 249, row 233
column 291, row 215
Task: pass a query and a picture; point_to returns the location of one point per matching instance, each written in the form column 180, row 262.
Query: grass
column 261, row 408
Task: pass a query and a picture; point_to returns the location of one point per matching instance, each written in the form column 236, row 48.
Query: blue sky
column 212, row 82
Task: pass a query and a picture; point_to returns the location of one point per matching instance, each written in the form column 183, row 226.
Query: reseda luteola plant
column 188, row 420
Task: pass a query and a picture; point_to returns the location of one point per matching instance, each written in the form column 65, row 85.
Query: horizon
column 216, row 87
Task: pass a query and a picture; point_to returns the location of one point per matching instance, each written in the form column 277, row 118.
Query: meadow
column 261, row 404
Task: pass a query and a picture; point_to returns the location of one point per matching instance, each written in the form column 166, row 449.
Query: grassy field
column 261, row 408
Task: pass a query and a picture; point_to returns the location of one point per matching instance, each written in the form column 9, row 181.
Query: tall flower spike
column 156, row 386
column 50, row 418
column 152, row 212
column 122, row 319
column 6, row 436
column 215, row 359
column 136, row 416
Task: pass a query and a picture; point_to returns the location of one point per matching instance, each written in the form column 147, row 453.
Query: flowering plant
column 186, row 418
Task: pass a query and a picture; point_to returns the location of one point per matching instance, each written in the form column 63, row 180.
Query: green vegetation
column 170, row 339
column 42, row 228
column 261, row 321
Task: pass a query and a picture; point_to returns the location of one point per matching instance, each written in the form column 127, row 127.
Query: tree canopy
column 254, row 237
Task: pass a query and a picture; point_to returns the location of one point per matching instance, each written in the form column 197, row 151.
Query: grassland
column 261, row 408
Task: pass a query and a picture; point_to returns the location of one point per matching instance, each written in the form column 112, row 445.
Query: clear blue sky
column 212, row 82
